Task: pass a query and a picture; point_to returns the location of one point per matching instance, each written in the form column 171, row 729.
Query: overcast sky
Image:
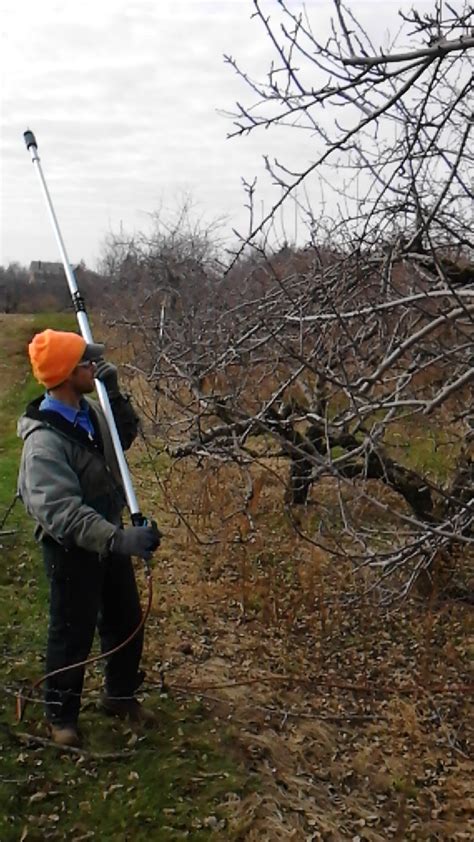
column 123, row 96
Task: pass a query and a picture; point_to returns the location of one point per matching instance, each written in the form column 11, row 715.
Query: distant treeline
column 22, row 290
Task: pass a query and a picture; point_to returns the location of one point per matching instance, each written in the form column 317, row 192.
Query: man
column 70, row 484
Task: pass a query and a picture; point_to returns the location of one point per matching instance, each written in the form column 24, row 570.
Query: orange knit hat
column 54, row 354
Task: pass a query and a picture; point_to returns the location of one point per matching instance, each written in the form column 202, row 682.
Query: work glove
column 141, row 541
column 107, row 373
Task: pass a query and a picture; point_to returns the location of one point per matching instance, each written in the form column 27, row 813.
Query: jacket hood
column 26, row 426
column 31, row 419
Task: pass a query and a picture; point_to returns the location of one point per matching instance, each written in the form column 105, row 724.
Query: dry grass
column 349, row 715
column 12, row 363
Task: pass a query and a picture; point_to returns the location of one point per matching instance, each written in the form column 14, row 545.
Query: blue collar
column 77, row 417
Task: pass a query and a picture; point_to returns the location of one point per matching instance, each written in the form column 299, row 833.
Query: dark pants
column 88, row 592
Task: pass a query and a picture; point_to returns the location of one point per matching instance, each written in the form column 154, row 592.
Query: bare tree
column 392, row 129
column 351, row 357
column 166, row 266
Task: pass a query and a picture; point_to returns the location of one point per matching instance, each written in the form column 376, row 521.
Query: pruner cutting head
column 30, row 139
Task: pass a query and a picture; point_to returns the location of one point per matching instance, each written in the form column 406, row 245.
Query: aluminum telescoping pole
column 79, row 306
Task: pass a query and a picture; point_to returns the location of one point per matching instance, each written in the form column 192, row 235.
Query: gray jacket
column 70, row 485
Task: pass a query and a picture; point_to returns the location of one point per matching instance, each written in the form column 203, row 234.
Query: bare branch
column 440, row 49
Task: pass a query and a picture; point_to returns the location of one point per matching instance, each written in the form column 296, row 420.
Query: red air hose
column 22, row 700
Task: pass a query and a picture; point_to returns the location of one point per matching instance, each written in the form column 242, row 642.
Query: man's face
column 82, row 378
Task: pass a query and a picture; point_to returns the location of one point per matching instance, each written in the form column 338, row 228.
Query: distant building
column 43, row 272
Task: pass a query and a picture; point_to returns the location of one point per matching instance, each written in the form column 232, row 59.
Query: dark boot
column 65, row 735
column 129, row 709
